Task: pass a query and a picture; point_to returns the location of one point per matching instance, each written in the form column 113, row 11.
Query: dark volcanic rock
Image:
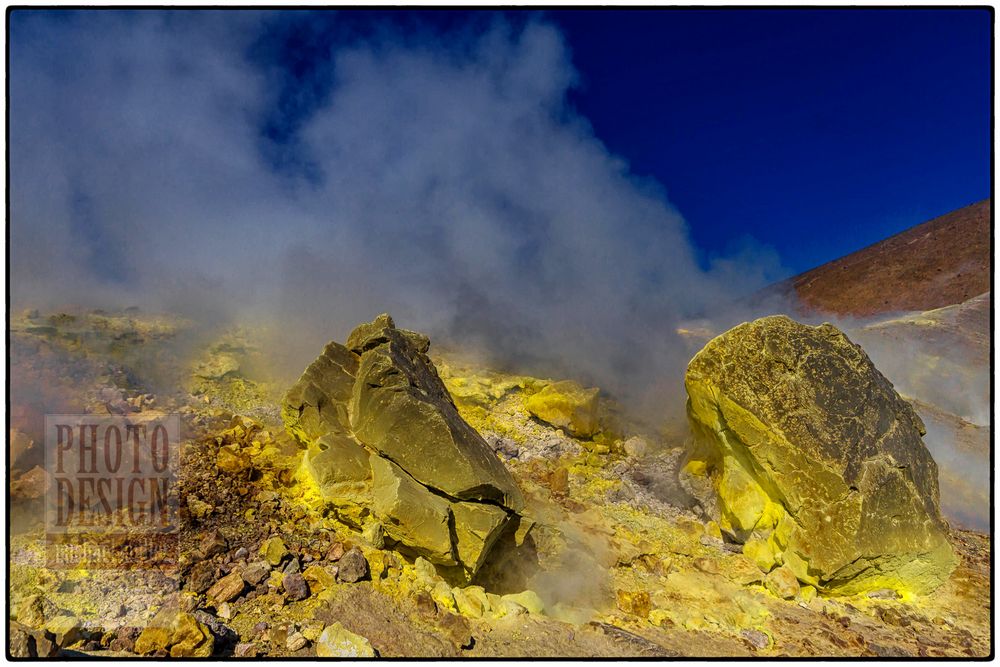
column 24, row 642
column 352, row 566
column 295, row 586
column 201, row 577
column 213, row 543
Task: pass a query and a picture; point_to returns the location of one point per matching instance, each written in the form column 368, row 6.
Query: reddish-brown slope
column 938, row 263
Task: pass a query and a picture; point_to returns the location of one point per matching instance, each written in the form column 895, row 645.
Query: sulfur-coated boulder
column 477, row 527
column 402, row 410
column 337, row 458
column 317, row 404
column 567, row 405
column 817, row 462
column 410, row 513
column 382, row 436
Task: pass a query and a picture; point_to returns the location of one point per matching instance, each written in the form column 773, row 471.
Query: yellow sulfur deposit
column 567, row 405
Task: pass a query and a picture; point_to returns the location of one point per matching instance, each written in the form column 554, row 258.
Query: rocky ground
column 625, row 557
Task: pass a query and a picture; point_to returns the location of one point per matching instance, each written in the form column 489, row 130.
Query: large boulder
column 817, row 462
column 385, row 442
column 401, row 409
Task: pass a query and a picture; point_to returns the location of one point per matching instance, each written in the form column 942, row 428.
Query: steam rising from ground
column 448, row 183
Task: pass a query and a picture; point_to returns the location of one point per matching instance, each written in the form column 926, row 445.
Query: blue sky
column 816, row 131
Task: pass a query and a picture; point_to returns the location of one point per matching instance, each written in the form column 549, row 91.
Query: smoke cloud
column 446, row 180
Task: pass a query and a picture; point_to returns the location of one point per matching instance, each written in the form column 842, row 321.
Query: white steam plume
column 453, row 186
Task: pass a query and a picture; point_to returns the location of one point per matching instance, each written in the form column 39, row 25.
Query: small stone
column 189, row 638
column 338, row 642
column 241, row 553
column 278, row 635
column 378, row 564
column 374, row 534
column 467, row 605
column 336, row 552
column 212, row 544
column 636, row 603
column 782, row 583
column 227, row 588
column 200, row 577
column 884, row 594
column 757, row 639
column 443, row 596
column 199, row 508
column 273, row 551
column 273, row 582
column 231, row 460
column 706, row 565
column 312, row 630
column 122, row 644
column 567, row 405
column 457, row 629
column 23, row 642
column 713, row 530
column 426, row 571
column 425, row 604
column 527, row 599
column 658, row 565
column 156, row 636
column 68, row 586
column 660, row 618
column 296, row 641
column 245, row 650
column 559, row 481
column 319, row 578
column 254, row 573
column 20, row 644
column 507, row 607
column 635, row 447
column 292, row 566
column 295, row 586
column 479, row 594
column 225, row 611
column 188, row 601
column 760, row 554
column 353, row 566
